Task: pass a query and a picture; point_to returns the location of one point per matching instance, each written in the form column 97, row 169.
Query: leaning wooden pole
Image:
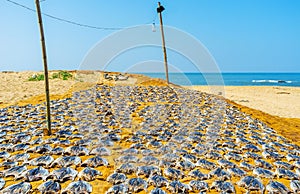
column 159, row 10
column 48, row 116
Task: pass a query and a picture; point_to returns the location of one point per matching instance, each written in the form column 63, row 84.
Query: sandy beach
column 278, row 101
column 88, row 103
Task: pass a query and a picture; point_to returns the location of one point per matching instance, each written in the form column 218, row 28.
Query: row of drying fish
column 181, row 133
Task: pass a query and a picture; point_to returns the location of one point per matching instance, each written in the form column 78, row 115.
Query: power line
column 64, row 20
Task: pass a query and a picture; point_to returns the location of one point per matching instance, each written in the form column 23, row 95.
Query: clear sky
column 242, row 36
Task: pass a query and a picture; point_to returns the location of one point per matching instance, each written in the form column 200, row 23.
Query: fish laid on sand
column 155, row 139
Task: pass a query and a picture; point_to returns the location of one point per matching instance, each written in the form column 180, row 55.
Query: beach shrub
column 64, row 75
column 36, row 77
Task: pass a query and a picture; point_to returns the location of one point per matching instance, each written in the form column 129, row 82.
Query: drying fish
column 38, row 140
column 2, row 183
column 295, row 186
column 246, row 166
column 65, row 161
column 263, row 164
column 213, row 155
column 165, row 164
column 127, row 159
column 127, row 168
column 234, row 156
column 149, row 160
column 77, row 151
column 42, row 149
column 120, row 189
column 22, row 138
column 34, row 174
column 116, row 178
column 14, row 171
column 206, row 164
column 82, row 142
column 189, row 157
column 199, row 186
column 185, row 165
column 22, row 187
column 4, row 154
column 170, row 157
column 250, row 183
column 19, row 157
column 7, row 165
column 49, row 187
column 18, row 147
column 78, row 187
column 95, row 162
column 41, row 161
column 57, row 151
column 178, row 187
column 280, row 164
column 148, row 170
column 63, row 174
column 281, row 172
column 226, row 163
column 157, row 191
column 291, row 157
column 63, row 133
column 158, row 181
column 276, row 187
column 173, row 174
column 272, row 155
column 137, row 184
column 237, row 172
column 198, row 175
column 223, row 187
column 88, row 174
column 261, row 172
column 220, row 174
column 101, row 151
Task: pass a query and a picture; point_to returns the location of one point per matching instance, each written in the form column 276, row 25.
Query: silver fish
column 116, row 178
column 120, row 189
column 88, row 174
column 63, row 174
column 22, row 187
column 295, row 186
column 137, row 184
column 34, row 174
column 78, row 187
column 95, row 162
column 276, row 187
column 49, row 187
column 65, row 161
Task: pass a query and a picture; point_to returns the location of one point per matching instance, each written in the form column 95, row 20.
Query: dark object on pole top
column 160, row 8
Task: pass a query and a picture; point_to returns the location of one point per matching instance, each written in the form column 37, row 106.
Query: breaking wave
column 272, row 81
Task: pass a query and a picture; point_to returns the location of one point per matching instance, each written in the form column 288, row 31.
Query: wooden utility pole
column 159, row 10
column 48, row 116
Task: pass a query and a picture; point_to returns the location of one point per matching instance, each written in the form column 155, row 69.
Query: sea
column 232, row 79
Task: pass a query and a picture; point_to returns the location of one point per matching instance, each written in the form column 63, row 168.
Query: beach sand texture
column 82, row 111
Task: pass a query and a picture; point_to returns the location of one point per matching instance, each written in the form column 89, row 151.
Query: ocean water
column 232, row 79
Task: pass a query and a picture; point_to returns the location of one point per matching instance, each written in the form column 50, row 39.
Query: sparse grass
column 64, row 75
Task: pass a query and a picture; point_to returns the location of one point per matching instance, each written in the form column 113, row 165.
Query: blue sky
column 242, row 36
